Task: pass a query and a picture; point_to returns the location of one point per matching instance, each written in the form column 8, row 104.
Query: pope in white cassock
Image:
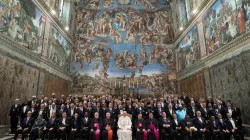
column 124, row 123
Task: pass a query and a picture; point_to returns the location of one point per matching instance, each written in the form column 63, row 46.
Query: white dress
column 124, row 132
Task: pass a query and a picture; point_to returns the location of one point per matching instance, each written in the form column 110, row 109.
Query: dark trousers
column 151, row 135
column 217, row 135
column 204, row 135
column 51, row 134
column 84, row 134
column 21, row 132
column 13, row 124
column 178, row 134
column 167, row 134
column 139, row 135
column 238, row 135
column 61, row 133
column 35, row 133
column 73, row 134
column 191, row 136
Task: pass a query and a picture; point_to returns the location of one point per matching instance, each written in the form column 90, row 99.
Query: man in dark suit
column 34, row 111
column 223, row 126
column 200, row 124
column 61, row 111
column 26, row 126
column 210, row 110
column 71, row 111
column 170, row 111
column 234, row 128
column 63, row 127
column 215, row 130
column 178, row 128
column 189, row 128
column 139, row 110
column 13, row 115
column 51, row 127
column 24, row 110
column 75, row 126
column 85, row 126
column 191, row 110
column 158, row 111
column 185, row 99
column 43, row 112
column 151, row 125
column 166, row 127
column 108, row 127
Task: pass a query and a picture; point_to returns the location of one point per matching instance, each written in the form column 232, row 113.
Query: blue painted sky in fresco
column 190, row 33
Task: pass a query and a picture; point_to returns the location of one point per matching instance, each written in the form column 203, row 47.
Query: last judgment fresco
column 123, row 45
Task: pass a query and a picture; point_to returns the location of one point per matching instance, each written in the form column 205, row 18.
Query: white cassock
column 124, row 132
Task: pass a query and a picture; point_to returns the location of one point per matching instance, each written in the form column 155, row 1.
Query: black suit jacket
column 229, row 125
column 177, row 125
column 27, row 124
column 85, row 124
column 75, row 123
column 222, row 124
column 167, row 121
column 169, row 114
column 66, row 125
column 14, row 111
column 214, row 125
column 158, row 114
column 198, row 124
column 23, row 113
column 52, row 124
column 191, row 113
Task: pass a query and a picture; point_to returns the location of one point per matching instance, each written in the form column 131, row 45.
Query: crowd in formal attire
column 126, row 117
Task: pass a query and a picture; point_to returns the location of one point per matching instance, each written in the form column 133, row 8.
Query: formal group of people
column 126, row 117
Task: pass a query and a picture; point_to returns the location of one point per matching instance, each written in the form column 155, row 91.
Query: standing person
column 13, row 115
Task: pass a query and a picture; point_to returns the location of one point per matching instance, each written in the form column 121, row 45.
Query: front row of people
column 150, row 129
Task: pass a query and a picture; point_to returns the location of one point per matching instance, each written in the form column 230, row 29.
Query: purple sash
column 151, row 126
column 97, row 132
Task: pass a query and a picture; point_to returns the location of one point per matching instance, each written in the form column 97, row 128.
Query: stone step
column 246, row 130
column 3, row 130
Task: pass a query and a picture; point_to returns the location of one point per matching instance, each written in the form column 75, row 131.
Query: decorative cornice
column 14, row 49
column 205, row 5
column 55, row 22
column 229, row 50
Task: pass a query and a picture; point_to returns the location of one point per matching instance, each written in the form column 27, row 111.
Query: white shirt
column 221, row 120
column 72, row 112
column 200, row 119
column 170, row 110
column 24, row 108
column 232, row 122
column 63, row 121
column 40, row 112
column 230, row 110
column 175, row 120
column 86, row 119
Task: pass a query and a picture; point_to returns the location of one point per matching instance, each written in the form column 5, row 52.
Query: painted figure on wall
column 122, row 39
column 189, row 49
column 225, row 21
column 24, row 24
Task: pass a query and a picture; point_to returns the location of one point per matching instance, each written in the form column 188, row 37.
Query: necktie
column 27, row 121
column 52, row 121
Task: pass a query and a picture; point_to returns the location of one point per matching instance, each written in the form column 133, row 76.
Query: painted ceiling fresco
column 123, row 39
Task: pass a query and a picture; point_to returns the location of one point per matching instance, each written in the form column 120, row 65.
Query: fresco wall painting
column 23, row 22
column 59, row 51
column 225, row 21
column 122, row 46
column 189, row 49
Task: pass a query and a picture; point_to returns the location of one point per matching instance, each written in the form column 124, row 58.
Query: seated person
column 140, row 128
column 200, row 124
column 233, row 127
column 215, row 129
column 166, row 127
column 37, row 128
column 26, row 126
column 75, row 126
column 151, row 126
column 223, row 127
column 108, row 126
column 51, row 127
column 124, row 124
column 178, row 128
column 95, row 127
column 85, row 126
column 63, row 127
column 189, row 128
